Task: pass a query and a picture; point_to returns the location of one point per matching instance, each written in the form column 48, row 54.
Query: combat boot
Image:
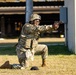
column 6, row 65
column 43, row 62
column 24, row 64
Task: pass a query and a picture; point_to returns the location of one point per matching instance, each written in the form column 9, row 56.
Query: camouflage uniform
column 28, row 42
column 31, row 33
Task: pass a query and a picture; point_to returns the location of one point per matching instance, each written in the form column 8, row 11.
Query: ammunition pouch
column 30, row 43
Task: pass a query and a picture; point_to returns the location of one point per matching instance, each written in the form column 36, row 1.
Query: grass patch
column 7, row 51
column 53, row 50
column 59, row 62
column 59, row 50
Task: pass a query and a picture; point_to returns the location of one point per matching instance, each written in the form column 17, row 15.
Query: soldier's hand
column 23, row 36
column 48, row 27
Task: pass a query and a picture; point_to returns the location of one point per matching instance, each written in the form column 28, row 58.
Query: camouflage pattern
column 16, row 66
column 28, row 41
column 35, row 16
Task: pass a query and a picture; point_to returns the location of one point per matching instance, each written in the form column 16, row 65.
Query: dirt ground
column 2, row 40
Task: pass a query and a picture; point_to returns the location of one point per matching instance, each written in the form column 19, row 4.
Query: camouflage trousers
column 40, row 49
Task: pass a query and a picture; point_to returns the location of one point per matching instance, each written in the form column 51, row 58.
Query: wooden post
column 2, row 27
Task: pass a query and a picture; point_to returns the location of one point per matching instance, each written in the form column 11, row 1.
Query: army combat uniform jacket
column 28, row 39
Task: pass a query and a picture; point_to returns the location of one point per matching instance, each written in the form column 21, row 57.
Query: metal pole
column 66, row 34
column 29, row 10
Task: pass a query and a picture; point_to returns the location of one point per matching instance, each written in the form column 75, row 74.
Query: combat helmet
column 34, row 17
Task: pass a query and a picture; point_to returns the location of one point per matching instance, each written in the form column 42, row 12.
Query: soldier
column 28, row 41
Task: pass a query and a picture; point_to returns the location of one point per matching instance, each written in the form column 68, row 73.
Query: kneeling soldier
column 28, row 41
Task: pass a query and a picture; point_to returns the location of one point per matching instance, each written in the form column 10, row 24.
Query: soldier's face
column 56, row 26
column 36, row 22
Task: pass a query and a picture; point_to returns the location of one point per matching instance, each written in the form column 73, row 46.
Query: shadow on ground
column 7, row 51
column 53, row 50
column 59, row 50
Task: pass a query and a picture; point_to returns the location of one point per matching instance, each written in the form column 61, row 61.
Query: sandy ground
column 2, row 40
